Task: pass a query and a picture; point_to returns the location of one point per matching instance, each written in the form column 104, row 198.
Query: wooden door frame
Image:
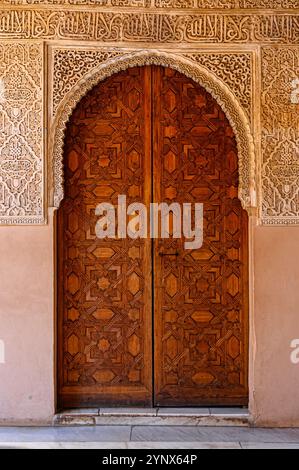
column 246, row 154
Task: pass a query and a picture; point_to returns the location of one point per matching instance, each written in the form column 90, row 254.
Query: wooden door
column 104, row 288
column 200, row 296
column 154, row 135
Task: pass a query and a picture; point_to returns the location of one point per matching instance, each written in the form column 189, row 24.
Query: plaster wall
column 27, row 325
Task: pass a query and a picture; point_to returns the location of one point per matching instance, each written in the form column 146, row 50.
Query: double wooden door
column 145, row 321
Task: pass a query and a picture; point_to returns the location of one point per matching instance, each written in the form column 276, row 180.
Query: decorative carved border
column 173, row 4
column 280, row 136
column 215, row 29
column 149, row 26
column 223, row 95
column 70, row 64
column 21, row 133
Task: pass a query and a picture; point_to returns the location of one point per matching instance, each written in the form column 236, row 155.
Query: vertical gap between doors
column 151, row 104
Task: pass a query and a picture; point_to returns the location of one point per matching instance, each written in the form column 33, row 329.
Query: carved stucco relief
column 235, row 69
column 108, row 25
column 168, row 3
column 228, row 75
column 21, row 133
column 280, row 136
column 70, row 65
column 199, row 69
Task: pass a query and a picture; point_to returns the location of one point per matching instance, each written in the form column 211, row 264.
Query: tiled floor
column 148, row 437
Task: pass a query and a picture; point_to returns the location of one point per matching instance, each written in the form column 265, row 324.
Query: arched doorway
column 145, row 321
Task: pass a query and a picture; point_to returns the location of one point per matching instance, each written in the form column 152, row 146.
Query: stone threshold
column 153, row 417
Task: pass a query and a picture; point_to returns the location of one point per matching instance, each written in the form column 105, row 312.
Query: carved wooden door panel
column 104, row 288
column 154, row 135
column 200, row 295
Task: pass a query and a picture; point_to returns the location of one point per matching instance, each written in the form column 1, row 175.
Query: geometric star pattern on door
column 154, row 135
column 201, row 295
column 105, row 290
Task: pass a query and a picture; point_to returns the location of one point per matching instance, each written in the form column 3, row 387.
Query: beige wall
column 275, row 385
column 27, row 325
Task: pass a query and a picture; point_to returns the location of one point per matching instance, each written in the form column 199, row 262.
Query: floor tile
column 268, row 445
column 165, row 433
column 67, row 433
column 246, row 434
column 63, row 445
column 183, row 445
column 213, row 434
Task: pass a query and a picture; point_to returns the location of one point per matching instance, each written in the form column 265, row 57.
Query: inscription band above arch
column 220, row 92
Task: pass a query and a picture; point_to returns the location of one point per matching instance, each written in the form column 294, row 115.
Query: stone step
column 153, row 417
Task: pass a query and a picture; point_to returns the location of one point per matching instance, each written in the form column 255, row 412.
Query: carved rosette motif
column 219, row 90
column 21, row 133
column 280, row 137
